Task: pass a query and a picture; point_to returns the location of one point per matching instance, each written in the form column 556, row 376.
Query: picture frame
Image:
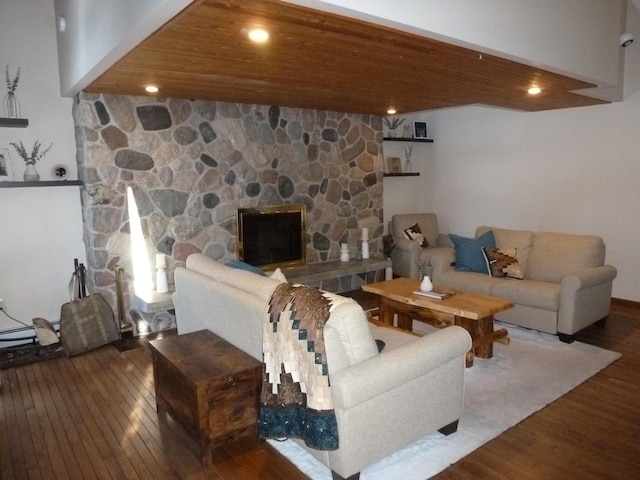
column 420, row 130
column 394, row 165
column 6, row 171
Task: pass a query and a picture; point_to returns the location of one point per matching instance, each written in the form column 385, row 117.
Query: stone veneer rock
column 190, row 164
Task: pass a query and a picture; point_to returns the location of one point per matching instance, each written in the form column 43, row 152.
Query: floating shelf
column 14, row 122
column 416, row 174
column 413, row 140
column 44, row 183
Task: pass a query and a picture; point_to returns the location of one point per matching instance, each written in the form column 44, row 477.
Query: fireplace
column 272, row 236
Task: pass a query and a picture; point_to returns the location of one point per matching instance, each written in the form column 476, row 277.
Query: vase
column 31, row 174
column 407, row 166
column 393, row 133
column 426, row 285
column 11, row 106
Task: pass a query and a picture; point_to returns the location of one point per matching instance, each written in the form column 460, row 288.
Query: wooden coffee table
column 472, row 312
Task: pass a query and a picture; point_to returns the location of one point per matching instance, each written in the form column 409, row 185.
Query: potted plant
column 11, row 104
column 393, row 125
column 30, row 159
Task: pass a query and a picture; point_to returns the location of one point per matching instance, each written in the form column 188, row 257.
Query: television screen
column 272, row 236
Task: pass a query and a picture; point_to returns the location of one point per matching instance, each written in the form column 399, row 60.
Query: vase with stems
column 407, row 155
column 11, row 102
column 31, row 158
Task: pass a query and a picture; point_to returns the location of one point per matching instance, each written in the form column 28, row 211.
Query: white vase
column 31, row 174
column 426, row 285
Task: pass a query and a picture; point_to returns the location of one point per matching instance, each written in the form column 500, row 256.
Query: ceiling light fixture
column 391, row 111
column 258, row 35
column 151, row 89
column 534, row 90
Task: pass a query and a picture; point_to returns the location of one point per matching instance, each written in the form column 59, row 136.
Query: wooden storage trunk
column 209, row 387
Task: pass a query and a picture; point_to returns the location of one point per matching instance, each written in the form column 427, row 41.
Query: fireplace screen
column 272, row 236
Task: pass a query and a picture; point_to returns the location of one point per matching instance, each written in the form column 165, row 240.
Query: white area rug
column 532, row 371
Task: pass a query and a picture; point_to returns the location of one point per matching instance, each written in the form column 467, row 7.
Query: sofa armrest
column 441, row 261
column 585, row 297
column 380, row 374
column 405, row 257
column 588, row 277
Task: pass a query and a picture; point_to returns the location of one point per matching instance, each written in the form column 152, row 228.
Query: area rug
column 532, row 371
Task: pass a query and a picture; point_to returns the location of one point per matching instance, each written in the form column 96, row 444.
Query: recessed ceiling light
column 258, row 35
column 391, row 111
column 151, row 89
column 534, row 90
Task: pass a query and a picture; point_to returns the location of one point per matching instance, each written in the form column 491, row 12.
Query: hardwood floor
column 93, row 417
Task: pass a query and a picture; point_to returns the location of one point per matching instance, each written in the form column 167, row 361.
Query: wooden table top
column 467, row 305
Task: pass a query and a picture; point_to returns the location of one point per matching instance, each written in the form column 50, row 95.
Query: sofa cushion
column 415, row 233
column 468, row 252
column 555, row 255
column 471, row 282
column 347, row 336
column 545, row 295
column 521, row 240
column 503, row 262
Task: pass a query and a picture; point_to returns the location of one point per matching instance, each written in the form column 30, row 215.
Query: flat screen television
column 272, row 236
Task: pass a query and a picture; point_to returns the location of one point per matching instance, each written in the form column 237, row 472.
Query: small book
column 433, row 294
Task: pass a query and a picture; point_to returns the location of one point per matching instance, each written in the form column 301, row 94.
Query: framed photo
column 6, row 173
column 420, row 130
column 394, row 165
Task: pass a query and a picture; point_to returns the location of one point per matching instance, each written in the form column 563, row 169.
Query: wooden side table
column 209, row 387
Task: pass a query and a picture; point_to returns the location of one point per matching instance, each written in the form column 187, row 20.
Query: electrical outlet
column 3, row 305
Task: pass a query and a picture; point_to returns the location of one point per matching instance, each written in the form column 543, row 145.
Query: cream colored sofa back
column 548, row 256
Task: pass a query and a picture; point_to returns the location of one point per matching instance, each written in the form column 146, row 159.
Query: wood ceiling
column 320, row 60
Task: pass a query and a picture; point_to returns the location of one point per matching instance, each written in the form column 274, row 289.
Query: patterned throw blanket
column 296, row 398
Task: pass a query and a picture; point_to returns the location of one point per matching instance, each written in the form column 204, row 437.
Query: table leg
column 385, row 313
column 485, row 329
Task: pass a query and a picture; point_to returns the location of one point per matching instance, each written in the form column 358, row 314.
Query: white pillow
column 278, row 275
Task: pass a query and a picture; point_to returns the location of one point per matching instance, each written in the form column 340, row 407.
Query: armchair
column 408, row 256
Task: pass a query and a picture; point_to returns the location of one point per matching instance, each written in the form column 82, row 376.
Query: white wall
column 100, row 32
column 574, row 170
column 41, row 228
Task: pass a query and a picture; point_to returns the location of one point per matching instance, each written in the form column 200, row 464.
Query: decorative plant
column 388, row 244
column 11, row 103
column 394, row 123
column 12, row 84
column 424, row 268
column 36, row 154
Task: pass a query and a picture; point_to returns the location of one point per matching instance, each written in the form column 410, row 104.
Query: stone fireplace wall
column 190, row 164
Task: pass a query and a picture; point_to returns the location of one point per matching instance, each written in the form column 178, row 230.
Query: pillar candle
column 365, row 233
column 161, row 260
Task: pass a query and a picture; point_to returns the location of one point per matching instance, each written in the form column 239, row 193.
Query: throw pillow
column 278, row 275
column 245, row 266
column 503, row 262
column 469, row 254
column 414, row 233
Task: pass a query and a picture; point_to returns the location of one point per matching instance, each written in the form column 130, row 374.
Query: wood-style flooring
column 93, row 417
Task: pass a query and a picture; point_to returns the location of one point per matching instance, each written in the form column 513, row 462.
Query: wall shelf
column 14, row 122
column 412, row 140
column 44, row 183
column 415, row 174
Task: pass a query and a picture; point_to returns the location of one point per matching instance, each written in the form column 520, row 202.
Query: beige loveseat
column 566, row 285
column 382, row 401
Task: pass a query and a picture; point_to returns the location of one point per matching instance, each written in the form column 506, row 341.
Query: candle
column 365, row 233
column 161, row 260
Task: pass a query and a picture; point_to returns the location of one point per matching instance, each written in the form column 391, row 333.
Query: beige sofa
column 382, row 401
column 566, row 285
